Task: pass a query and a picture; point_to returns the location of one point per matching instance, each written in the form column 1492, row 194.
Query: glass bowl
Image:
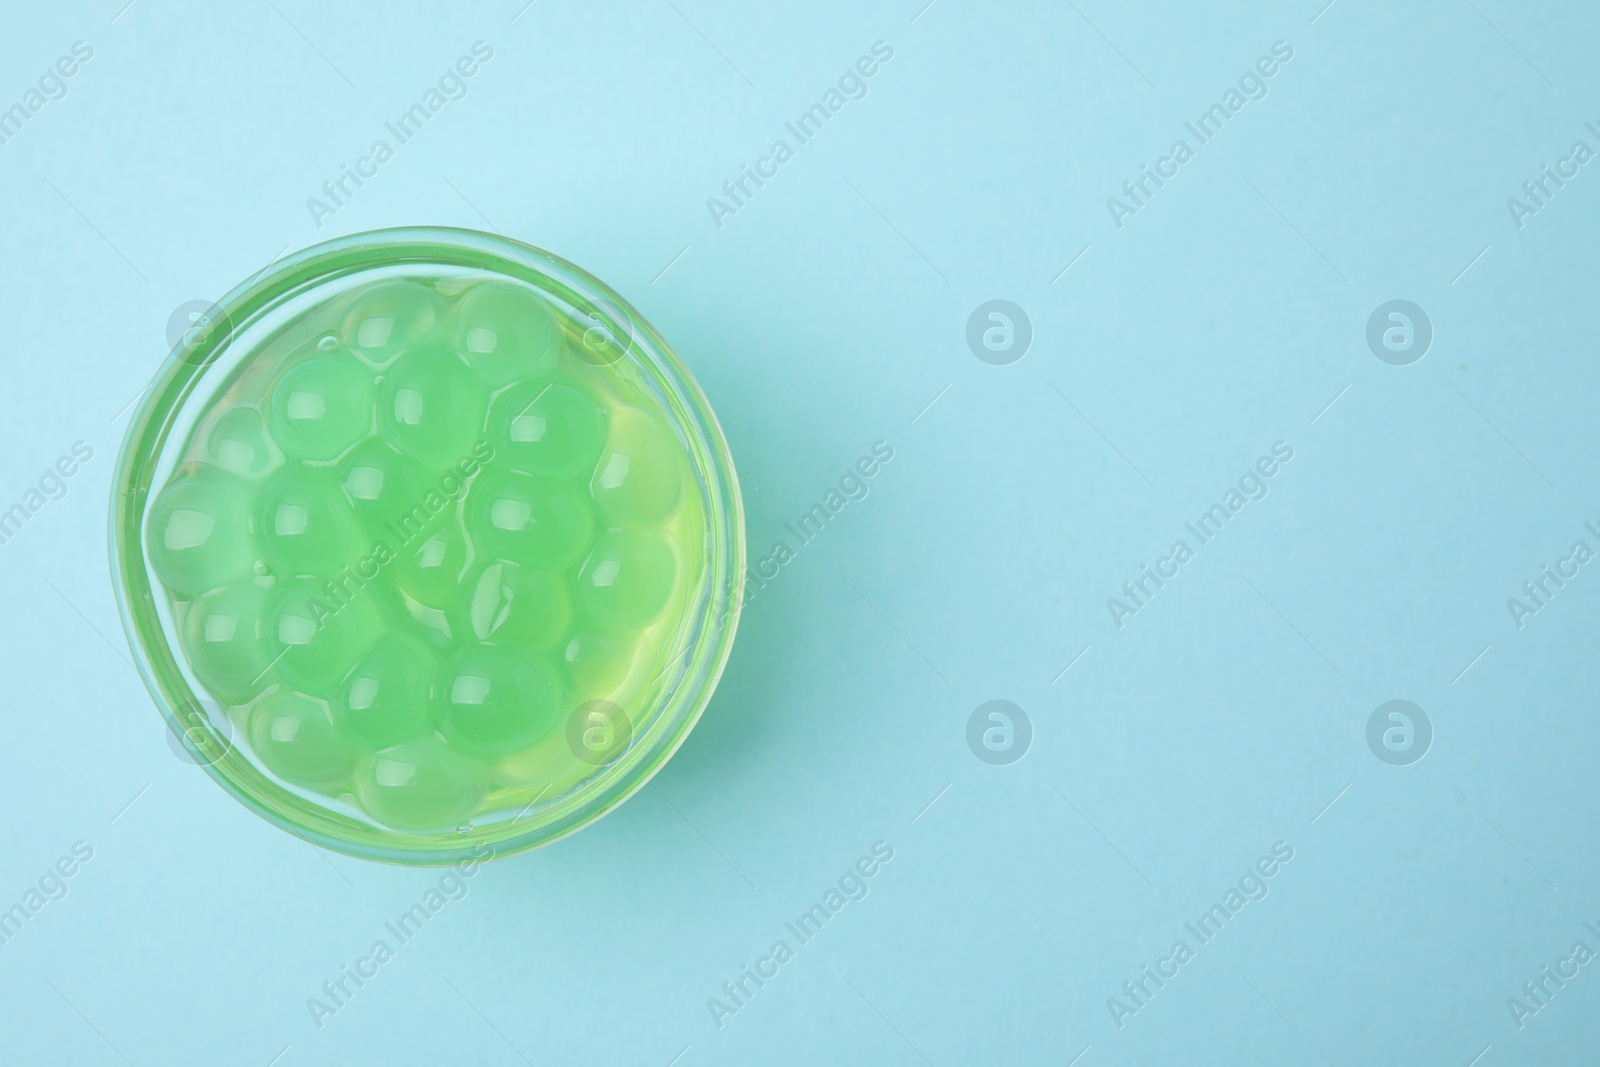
column 469, row 515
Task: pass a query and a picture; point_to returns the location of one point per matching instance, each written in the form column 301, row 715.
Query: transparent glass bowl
column 604, row 332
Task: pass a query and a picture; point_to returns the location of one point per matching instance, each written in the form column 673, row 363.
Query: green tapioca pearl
column 307, row 524
column 432, row 569
column 238, row 442
column 627, row 579
column 431, row 406
column 528, row 608
column 422, row 784
column 598, row 663
column 504, row 332
column 201, row 531
column 322, row 405
column 390, row 317
column 295, row 738
column 640, row 475
column 547, row 429
column 382, row 484
column 493, row 700
column 386, row 699
column 542, row 524
column 225, row 639
column 315, row 637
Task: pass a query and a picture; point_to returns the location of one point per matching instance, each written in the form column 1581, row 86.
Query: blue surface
column 1228, row 714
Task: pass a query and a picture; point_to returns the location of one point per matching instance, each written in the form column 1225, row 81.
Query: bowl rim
column 677, row 708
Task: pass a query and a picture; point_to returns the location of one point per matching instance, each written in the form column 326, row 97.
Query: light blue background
column 821, row 318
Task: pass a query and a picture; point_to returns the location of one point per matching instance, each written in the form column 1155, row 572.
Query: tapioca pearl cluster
column 546, row 577
column 637, row 484
column 589, row 498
